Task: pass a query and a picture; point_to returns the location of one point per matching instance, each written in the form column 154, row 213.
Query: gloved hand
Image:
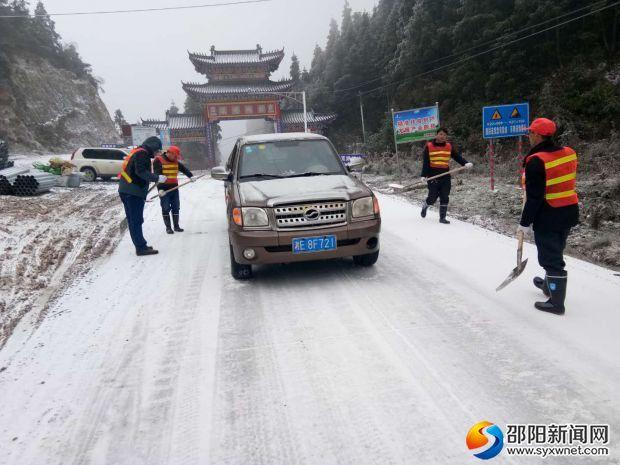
column 162, row 179
column 469, row 165
column 423, row 179
column 192, row 179
column 526, row 230
column 161, row 192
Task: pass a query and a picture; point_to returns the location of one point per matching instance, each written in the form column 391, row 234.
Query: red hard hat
column 543, row 127
column 174, row 150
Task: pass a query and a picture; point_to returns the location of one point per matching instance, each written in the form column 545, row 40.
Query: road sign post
column 492, row 164
column 502, row 121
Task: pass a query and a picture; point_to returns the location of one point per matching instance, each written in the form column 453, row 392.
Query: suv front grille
column 311, row 215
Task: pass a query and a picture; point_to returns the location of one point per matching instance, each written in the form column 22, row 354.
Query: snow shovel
column 514, row 274
column 401, row 188
column 175, row 188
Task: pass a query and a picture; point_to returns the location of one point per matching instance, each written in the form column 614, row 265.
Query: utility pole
column 362, row 114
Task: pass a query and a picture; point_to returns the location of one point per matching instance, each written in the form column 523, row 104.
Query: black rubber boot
column 424, row 208
column 168, row 225
column 557, row 289
column 541, row 284
column 175, row 220
column 443, row 211
column 148, row 251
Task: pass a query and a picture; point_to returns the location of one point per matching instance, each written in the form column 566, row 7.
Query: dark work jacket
column 537, row 211
column 427, row 171
column 139, row 170
column 158, row 169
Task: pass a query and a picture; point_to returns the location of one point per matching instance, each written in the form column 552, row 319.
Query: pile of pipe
column 34, row 182
column 7, row 178
column 26, row 182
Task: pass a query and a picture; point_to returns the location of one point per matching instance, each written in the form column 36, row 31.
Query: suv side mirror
column 221, row 174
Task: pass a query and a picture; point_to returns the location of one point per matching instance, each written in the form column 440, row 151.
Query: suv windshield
column 285, row 159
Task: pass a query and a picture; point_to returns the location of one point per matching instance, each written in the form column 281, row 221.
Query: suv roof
column 102, row 148
column 279, row 137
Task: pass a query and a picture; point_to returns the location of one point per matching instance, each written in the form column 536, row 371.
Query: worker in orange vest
column 133, row 185
column 436, row 160
column 551, row 208
column 169, row 165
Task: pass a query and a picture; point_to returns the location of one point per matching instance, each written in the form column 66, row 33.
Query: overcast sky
column 142, row 57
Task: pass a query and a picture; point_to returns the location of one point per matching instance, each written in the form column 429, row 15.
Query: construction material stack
column 33, row 183
column 7, row 178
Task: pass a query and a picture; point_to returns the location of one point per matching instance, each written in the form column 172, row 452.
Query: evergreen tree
column 45, row 29
column 295, row 73
column 192, row 106
column 459, row 53
column 173, row 110
column 119, row 120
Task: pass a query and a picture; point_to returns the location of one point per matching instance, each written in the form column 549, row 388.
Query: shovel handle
column 519, row 247
column 418, row 184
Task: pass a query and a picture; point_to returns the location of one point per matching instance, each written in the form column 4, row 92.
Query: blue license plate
column 314, row 244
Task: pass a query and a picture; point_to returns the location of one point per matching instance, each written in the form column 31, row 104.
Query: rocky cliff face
column 44, row 108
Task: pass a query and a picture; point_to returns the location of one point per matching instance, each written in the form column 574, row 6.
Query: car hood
column 307, row 189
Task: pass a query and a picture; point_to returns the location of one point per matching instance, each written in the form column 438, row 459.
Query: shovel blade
column 396, row 187
column 514, row 274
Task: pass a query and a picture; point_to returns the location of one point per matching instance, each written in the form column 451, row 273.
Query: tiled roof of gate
column 236, row 57
column 297, row 117
column 204, row 92
column 179, row 121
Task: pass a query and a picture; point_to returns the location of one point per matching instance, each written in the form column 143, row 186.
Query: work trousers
column 550, row 245
column 170, row 202
column 439, row 188
column 134, row 211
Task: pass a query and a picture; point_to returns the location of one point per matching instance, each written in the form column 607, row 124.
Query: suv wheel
column 89, row 174
column 237, row 270
column 366, row 260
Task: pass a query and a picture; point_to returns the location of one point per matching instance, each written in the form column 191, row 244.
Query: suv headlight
column 254, row 217
column 363, row 207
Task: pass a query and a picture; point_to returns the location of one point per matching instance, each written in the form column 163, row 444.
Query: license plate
column 314, row 244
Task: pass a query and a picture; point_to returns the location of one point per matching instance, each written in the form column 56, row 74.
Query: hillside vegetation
column 49, row 98
column 559, row 55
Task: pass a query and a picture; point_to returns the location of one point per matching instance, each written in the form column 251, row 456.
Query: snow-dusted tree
column 295, row 73
column 192, row 106
column 173, row 110
column 119, row 119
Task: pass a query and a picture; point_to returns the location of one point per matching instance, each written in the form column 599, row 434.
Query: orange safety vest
column 560, row 175
column 126, row 160
column 439, row 155
column 170, row 169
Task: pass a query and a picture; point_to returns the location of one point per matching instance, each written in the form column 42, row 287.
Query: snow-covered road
column 168, row 360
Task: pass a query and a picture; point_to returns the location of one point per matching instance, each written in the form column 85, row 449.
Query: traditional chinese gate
column 239, row 87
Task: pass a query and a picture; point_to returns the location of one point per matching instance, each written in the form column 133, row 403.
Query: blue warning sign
column 505, row 120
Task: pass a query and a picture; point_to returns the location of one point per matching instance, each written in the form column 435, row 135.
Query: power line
column 476, row 55
column 140, row 10
column 491, row 41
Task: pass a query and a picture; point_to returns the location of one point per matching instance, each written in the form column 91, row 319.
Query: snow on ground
column 168, row 360
column 596, row 238
column 48, row 240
